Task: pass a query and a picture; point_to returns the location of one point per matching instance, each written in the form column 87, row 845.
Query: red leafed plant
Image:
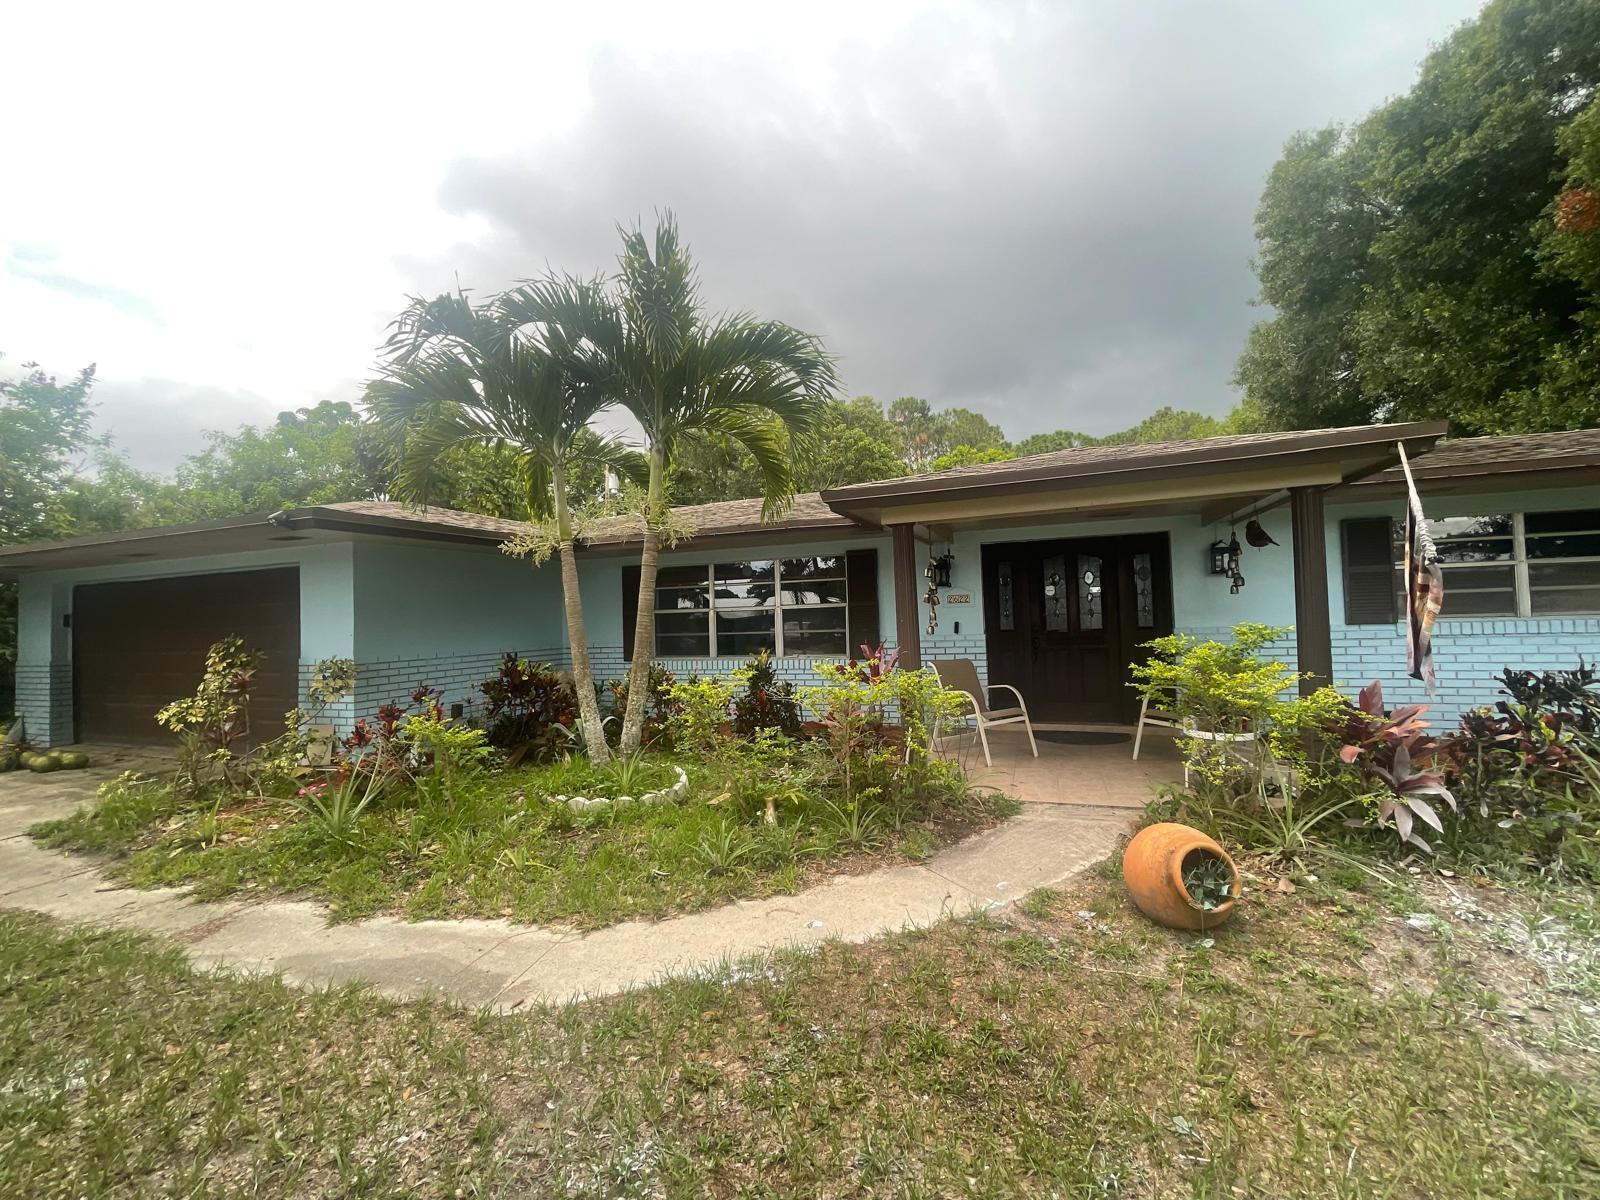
column 1395, row 749
column 874, row 663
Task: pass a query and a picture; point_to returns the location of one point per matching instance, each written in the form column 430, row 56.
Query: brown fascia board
column 1316, row 446
column 124, row 536
column 340, row 520
column 1508, row 466
column 845, row 526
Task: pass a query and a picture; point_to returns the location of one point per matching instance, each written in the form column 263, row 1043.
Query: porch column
column 907, row 616
column 1312, row 627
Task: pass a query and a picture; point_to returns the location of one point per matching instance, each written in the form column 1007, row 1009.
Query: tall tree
column 460, row 375
column 853, row 443
column 44, row 427
column 926, row 433
column 1425, row 262
column 642, row 340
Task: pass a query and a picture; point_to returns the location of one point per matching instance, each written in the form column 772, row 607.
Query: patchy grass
column 497, row 845
column 1321, row 1045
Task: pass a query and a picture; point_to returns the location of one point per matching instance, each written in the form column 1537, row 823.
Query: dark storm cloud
column 1042, row 212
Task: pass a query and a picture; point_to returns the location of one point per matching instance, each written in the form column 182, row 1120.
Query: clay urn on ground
column 1154, row 867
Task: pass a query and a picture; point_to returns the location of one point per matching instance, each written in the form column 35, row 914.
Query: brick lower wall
column 1468, row 657
column 393, row 680
column 44, row 702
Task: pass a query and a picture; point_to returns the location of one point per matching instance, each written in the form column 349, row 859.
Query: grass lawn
column 495, row 844
column 1321, row 1045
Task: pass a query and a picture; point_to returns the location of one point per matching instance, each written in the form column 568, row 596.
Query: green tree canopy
column 925, row 433
column 1437, row 260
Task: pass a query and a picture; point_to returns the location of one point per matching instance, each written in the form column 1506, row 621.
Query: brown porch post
column 1312, row 628
column 907, row 616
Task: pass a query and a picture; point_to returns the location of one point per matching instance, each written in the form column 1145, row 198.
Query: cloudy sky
column 1042, row 211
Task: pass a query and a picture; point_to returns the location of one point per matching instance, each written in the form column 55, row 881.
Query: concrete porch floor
column 1100, row 776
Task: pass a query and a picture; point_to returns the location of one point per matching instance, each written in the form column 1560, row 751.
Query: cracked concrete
column 495, row 964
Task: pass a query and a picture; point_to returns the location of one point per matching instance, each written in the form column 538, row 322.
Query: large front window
column 734, row 609
column 1518, row 564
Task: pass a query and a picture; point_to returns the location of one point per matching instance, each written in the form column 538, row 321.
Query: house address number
column 958, row 598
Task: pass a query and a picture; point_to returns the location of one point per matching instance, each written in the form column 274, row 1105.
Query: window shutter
column 861, row 597
column 1369, row 583
column 630, row 608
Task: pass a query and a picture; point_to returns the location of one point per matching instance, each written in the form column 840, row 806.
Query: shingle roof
column 1093, row 460
column 1503, row 453
column 706, row 520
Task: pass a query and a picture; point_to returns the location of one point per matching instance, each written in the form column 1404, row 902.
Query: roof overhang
column 227, row 535
column 1216, row 479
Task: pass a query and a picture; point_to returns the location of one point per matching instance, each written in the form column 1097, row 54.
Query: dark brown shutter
column 861, row 597
column 630, row 608
column 1369, row 582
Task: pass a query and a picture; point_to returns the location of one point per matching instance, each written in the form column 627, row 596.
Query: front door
column 1065, row 618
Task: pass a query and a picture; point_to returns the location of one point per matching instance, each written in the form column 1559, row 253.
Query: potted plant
column 1223, row 693
column 1179, row 877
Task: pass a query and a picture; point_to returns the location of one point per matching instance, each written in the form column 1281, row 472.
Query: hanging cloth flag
column 1424, row 584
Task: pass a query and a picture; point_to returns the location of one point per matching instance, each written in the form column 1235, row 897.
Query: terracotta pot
column 1152, row 868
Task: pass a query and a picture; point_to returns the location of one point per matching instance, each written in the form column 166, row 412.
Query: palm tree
column 458, row 374
column 641, row 341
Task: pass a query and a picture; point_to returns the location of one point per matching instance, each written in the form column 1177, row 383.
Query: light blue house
column 1050, row 571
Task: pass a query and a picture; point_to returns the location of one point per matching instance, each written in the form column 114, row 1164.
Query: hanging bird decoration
column 931, row 598
column 1257, row 536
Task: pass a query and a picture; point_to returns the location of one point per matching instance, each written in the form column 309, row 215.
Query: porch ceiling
column 1207, row 476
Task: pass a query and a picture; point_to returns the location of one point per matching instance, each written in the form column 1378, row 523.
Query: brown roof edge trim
column 1044, row 474
column 341, row 521
column 1507, row 466
column 847, row 526
column 124, row 536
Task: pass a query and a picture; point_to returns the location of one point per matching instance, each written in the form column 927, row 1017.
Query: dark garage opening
column 138, row 646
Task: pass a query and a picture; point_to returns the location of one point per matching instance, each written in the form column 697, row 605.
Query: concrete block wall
column 44, row 701
column 393, row 680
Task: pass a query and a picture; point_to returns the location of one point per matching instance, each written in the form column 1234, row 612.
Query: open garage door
column 137, row 646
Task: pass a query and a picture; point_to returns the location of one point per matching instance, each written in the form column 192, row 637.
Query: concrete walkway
column 504, row 966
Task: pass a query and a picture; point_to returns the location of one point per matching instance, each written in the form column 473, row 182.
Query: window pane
column 742, row 633
column 1565, row 545
column 680, row 598
column 680, row 576
column 812, row 591
column 1055, row 584
column 745, row 593
column 1144, row 591
column 1004, row 599
column 685, row 634
column 754, row 568
column 1478, row 604
column 811, row 619
column 1457, row 550
column 1584, row 520
column 1560, row 574
column 1449, row 527
column 813, row 568
column 816, row 642
column 1457, row 578
column 1566, row 600
column 1090, row 589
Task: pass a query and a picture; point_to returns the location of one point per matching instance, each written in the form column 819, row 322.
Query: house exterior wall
column 442, row 616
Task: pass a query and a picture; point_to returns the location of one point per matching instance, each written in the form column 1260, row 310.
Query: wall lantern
column 941, row 566
column 1219, row 559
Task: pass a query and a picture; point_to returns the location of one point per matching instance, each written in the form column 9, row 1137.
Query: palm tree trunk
column 594, row 730
column 644, row 626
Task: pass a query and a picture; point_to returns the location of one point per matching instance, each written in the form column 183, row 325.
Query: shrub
column 700, row 713
column 526, row 706
column 765, row 703
column 213, row 724
column 658, row 709
column 1395, row 752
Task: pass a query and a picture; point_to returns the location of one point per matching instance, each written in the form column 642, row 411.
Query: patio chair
column 1163, row 717
column 959, row 675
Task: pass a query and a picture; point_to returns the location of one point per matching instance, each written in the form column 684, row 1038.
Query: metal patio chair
column 959, row 675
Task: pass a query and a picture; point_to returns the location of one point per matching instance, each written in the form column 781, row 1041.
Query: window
column 1513, row 564
column 735, row 609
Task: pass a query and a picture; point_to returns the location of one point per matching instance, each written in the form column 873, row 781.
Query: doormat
column 1082, row 737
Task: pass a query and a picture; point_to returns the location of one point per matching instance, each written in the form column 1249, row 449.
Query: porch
column 1095, row 769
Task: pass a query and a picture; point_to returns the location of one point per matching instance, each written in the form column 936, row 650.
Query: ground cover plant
column 1341, row 1040
column 418, row 814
